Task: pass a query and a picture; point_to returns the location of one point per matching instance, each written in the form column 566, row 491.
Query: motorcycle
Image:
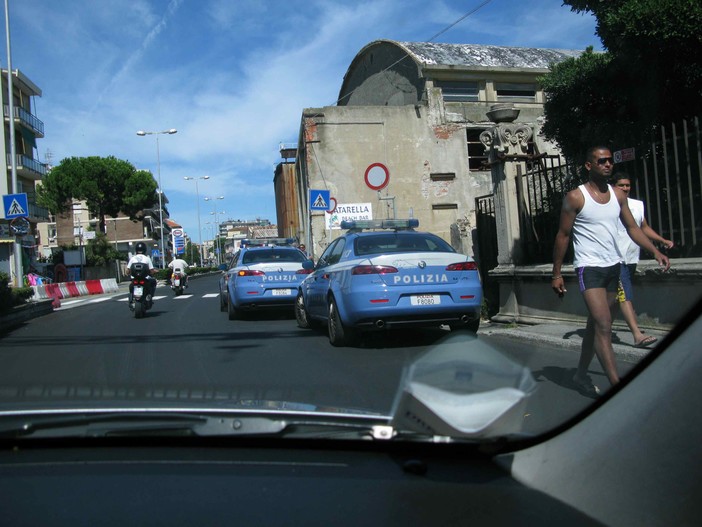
column 178, row 282
column 140, row 290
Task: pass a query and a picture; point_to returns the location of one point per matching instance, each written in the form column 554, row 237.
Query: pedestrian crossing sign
column 15, row 206
column 320, row 199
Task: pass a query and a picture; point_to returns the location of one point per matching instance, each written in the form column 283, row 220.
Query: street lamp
column 160, row 188
column 219, row 249
column 199, row 230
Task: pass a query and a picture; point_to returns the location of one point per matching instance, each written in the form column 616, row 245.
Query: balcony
column 27, row 167
column 27, row 119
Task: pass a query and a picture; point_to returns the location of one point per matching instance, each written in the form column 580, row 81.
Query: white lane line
column 181, row 297
column 210, row 295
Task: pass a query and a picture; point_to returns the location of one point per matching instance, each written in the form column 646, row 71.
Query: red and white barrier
column 60, row 290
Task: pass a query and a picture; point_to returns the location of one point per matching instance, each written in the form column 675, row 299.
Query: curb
column 20, row 314
column 549, row 334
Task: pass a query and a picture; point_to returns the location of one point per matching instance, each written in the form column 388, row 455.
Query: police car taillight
column 304, row 271
column 462, row 266
column 250, row 272
column 374, row 269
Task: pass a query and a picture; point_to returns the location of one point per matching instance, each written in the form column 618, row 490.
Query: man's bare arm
column 571, row 206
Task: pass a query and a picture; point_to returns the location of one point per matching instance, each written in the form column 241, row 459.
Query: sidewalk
column 569, row 336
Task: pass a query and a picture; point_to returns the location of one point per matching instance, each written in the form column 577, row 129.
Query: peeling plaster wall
column 420, row 157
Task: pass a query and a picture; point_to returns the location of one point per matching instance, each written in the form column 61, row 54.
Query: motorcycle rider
column 178, row 265
column 141, row 257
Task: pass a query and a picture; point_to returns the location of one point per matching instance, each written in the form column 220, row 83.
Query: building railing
column 27, row 163
column 25, row 117
column 668, row 180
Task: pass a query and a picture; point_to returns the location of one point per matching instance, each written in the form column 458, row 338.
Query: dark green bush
column 12, row 296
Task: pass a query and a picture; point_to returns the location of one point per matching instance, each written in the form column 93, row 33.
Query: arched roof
column 409, row 62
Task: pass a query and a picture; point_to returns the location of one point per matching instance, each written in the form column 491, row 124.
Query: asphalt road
column 185, row 351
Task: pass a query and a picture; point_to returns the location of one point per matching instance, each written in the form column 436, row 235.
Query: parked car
column 384, row 274
column 261, row 276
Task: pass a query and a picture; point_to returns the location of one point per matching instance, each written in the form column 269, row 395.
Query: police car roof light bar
column 380, row 224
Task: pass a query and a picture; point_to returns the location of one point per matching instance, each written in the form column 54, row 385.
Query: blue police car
column 262, row 276
column 384, row 274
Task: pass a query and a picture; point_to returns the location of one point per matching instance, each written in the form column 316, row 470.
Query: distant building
column 414, row 111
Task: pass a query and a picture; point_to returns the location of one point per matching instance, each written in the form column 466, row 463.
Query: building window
column 477, row 156
column 518, row 92
column 454, row 91
column 444, row 206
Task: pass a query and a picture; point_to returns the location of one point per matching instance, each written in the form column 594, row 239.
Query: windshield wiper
column 137, row 424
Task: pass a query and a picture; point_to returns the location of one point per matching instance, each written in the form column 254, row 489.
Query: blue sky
column 232, row 76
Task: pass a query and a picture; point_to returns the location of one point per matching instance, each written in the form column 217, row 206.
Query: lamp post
column 199, row 230
column 160, row 188
column 219, row 250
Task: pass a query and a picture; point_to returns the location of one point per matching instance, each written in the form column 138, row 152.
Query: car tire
column 232, row 311
column 301, row 315
column 472, row 326
column 222, row 303
column 339, row 334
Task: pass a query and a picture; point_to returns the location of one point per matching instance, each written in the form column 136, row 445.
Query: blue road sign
column 15, row 205
column 320, row 200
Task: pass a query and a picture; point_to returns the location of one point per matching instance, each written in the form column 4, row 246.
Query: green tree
column 650, row 74
column 100, row 250
column 107, row 184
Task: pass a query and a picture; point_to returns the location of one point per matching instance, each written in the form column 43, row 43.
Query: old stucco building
column 418, row 110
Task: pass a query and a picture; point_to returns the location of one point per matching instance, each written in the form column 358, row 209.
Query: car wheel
column 232, row 311
column 339, row 335
column 303, row 320
column 222, row 303
column 473, row 326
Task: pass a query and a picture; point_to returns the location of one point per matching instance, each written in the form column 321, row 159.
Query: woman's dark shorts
column 595, row 277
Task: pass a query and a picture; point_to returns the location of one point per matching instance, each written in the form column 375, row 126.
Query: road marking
column 181, row 297
column 210, row 295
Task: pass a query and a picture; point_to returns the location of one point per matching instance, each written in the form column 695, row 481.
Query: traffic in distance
column 379, row 274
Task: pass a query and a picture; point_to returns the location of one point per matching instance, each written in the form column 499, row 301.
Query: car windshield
column 399, row 242
column 416, row 221
column 272, row 256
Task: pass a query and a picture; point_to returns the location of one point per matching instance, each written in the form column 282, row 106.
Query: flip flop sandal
column 586, row 388
column 646, row 341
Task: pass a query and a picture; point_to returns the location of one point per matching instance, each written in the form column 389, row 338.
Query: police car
column 384, row 274
column 262, row 275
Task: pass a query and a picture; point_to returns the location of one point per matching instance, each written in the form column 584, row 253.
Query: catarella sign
column 348, row 212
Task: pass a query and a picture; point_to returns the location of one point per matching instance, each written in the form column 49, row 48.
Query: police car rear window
column 272, row 255
column 398, row 242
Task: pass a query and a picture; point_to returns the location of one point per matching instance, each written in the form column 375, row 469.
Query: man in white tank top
column 591, row 214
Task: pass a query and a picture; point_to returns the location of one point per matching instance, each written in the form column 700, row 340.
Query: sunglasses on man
column 603, row 160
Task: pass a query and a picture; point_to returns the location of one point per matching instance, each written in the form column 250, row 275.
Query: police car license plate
column 425, row 300
column 280, row 292
column 138, row 290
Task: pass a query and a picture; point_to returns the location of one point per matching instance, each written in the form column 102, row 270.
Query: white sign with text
column 348, row 212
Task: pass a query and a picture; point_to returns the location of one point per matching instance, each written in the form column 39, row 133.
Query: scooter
column 178, row 282
column 139, row 290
